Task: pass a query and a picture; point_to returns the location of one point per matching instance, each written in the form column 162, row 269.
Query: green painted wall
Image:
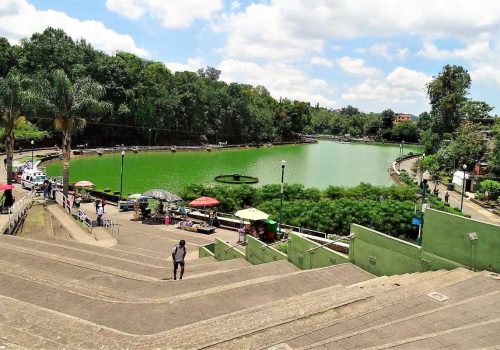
column 224, row 251
column 206, row 250
column 381, row 254
column 300, row 256
column 447, row 236
column 257, row 252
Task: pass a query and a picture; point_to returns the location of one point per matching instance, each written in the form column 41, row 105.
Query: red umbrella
column 204, row 202
column 4, row 187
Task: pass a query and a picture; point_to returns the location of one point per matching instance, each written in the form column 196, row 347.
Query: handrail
column 111, row 226
column 234, row 246
column 83, row 217
column 310, row 250
column 269, row 245
column 17, row 211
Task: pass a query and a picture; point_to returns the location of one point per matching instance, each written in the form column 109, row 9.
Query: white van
column 32, row 179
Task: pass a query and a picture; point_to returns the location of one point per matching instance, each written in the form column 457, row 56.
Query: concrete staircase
column 61, row 294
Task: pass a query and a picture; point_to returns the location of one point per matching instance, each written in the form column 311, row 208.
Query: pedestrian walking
column 446, row 197
column 99, row 215
column 178, row 255
column 103, row 203
column 97, row 204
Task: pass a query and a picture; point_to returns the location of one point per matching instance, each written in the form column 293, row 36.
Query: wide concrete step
column 285, row 320
column 152, row 318
column 62, row 252
column 481, row 335
column 111, row 252
column 27, row 326
column 410, row 317
column 102, row 285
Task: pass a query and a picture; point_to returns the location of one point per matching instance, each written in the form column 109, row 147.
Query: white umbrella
column 251, row 214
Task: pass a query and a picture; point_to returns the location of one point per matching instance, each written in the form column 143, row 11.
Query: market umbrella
column 4, row 187
column 162, row 195
column 204, row 202
column 84, row 184
column 251, row 214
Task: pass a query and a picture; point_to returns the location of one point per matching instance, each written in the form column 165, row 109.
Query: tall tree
column 71, row 103
column 13, row 98
column 387, row 118
column 447, row 93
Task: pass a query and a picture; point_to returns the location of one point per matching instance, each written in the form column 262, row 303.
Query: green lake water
column 313, row 165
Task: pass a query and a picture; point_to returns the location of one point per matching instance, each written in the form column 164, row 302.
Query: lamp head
column 123, row 153
column 32, row 142
column 464, row 166
column 426, row 175
column 283, row 163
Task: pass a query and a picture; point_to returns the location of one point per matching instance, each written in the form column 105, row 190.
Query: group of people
column 48, row 190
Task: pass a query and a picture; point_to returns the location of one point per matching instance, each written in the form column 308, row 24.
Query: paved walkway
column 475, row 211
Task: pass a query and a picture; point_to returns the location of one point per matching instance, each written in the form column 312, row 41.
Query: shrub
column 492, row 187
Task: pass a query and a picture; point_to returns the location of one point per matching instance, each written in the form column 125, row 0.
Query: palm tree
column 13, row 98
column 71, row 103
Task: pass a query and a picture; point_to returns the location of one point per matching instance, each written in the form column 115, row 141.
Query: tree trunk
column 9, row 150
column 66, row 153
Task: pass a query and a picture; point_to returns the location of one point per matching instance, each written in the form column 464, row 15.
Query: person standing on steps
column 178, row 255
column 446, row 197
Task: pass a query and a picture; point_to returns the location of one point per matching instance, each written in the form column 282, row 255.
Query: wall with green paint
column 300, row 254
column 224, row 251
column 381, row 254
column 206, row 250
column 446, row 235
column 257, row 252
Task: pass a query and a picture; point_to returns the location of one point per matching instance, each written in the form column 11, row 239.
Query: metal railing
column 111, row 226
column 311, row 250
column 85, row 219
column 17, row 212
column 64, row 202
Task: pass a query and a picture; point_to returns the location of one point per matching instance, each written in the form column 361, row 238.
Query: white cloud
column 356, row 66
column 281, row 79
column 287, row 29
column 235, row 5
column 389, row 51
column 473, row 51
column 321, row 61
column 19, row 19
column 192, row 64
column 487, row 74
column 171, row 13
column 404, row 88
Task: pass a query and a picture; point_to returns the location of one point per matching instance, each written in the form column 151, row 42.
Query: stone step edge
column 309, row 298
column 84, row 251
column 101, row 293
column 80, row 263
column 435, row 334
column 396, row 296
column 408, row 318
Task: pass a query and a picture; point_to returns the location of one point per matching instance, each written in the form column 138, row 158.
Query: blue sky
column 372, row 55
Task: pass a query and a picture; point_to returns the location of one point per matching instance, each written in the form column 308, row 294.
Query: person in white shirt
column 178, row 255
column 100, row 211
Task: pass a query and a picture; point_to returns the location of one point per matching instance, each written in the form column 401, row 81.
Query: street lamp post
column 149, row 142
column 121, row 175
column 283, row 164
column 425, row 177
column 32, row 145
column 463, row 189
